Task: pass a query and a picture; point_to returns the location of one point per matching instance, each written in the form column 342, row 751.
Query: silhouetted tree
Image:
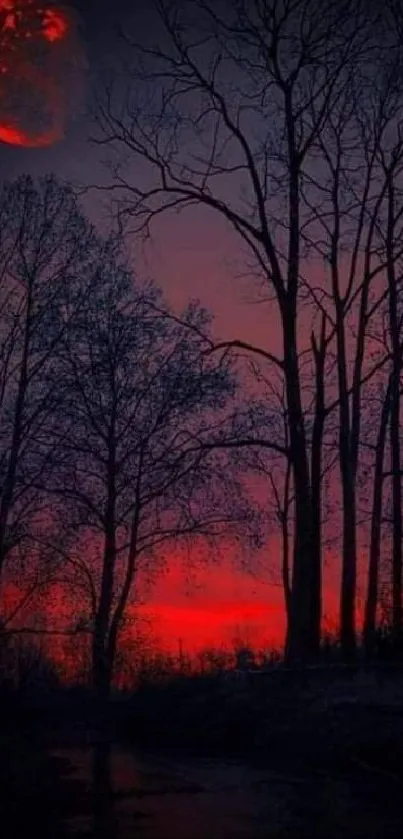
column 245, row 92
column 371, row 603
column 45, row 254
column 392, row 162
column 142, row 411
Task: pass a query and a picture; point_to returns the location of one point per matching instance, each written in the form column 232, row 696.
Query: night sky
column 189, row 256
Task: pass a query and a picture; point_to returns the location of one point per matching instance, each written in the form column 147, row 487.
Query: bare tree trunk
column 117, row 617
column 349, row 442
column 347, row 472
column 376, row 518
column 7, row 493
column 319, row 353
column 301, row 641
column 303, row 636
column 283, row 505
column 349, row 570
column 101, row 671
column 395, row 413
column 285, row 564
column 101, row 664
column 397, row 502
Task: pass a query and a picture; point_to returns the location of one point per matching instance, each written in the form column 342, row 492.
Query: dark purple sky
column 179, row 243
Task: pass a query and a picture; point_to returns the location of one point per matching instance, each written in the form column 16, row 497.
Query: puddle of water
column 129, row 796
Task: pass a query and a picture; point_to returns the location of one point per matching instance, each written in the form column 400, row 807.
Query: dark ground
column 324, row 729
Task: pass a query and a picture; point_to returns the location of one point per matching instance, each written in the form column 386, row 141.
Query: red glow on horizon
column 225, row 607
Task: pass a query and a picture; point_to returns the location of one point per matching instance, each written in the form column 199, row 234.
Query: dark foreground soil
column 329, row 750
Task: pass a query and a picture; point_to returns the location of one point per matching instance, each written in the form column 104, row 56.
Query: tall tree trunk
column 376, row 518
column 101, row 671
column 319, row 353
column 7, row 490
column 116, row 618
column 350, row 413
column 283, row 514
column 395, row 414
column 349, row 443
column 101, row 665
column 302, row 635
column 285, row 563
column 396, row 502
column 347, row 472
column 349, row 568
column 301, row 641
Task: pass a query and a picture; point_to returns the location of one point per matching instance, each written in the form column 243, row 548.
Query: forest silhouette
column 130, row 430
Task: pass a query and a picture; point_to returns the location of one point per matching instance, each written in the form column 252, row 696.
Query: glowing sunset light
column 225, row 607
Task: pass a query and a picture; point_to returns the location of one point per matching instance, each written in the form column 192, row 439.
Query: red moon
column 41, row 72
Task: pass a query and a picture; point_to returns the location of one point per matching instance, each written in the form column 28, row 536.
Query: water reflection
column 131, row 795
column 104, row 816
column 134, row 796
